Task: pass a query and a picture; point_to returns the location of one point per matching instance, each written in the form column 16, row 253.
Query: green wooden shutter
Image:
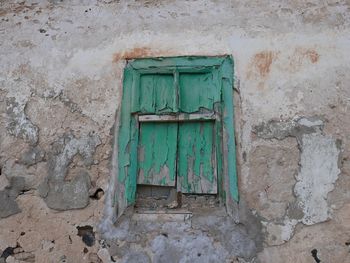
column 198, row 90
column 157, row 93
column 196, row 158
column 181, row 90
column 157, row 153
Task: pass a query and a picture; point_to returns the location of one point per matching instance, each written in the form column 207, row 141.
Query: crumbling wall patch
column 319, row 156
column 318, row 172
column 18, row 124
column 61, row 194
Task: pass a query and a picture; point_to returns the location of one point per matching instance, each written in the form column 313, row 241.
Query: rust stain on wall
column 263, row 61
column 137, row 52
column 302, row 56
column 260, row 66
column 312, row 55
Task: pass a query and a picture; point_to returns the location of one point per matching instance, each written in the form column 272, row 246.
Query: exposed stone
column 278, row 234
column 32, row 156
column 32, row 175
column 281, row 129
column 62, row 194
column 294, row 211
column 319, row 170
column 8, row 205
column 272, row 177
column 74, row 194
column 18, row 123
column 67, row 147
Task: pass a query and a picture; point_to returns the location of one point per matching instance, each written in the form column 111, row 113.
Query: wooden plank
column 229, row 147
column 157, row 154
column 178, row 117
column 171, row 69
column 122, row 194
column 162, row 62
column 219, row 147
column 130, row 185
column 196, row 158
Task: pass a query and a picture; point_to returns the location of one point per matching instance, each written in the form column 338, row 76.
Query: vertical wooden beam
column 123, row 142
column 228, row 132
column 176, row 91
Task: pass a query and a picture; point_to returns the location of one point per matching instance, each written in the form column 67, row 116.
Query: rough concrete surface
column 60, row 91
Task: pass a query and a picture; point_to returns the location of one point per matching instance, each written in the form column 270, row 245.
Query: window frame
column 128, row 131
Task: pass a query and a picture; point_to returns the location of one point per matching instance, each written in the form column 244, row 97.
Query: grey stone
column 59, row 193
column 8, row 205
column 280, row 129
column 294, row 211
column 32, row 156
column 64, row 195
column 18, row 123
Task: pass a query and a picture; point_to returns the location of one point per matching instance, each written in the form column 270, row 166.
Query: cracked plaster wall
column 60, row 86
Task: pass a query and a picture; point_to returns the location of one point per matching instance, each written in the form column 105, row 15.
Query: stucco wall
column 60, row 90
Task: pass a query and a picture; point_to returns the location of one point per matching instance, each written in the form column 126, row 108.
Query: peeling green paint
column 196, row 158
column 156, row 93
column 199, row 90
column 157, row 153
column 176, row 86
column 228, row 126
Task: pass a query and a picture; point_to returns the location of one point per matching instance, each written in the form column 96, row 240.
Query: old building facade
column 63, row 69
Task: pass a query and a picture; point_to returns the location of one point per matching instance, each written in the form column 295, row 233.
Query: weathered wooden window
column 176, row 127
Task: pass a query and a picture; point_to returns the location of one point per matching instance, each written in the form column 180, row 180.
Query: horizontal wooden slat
column 176, row 62
column 178, row 118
